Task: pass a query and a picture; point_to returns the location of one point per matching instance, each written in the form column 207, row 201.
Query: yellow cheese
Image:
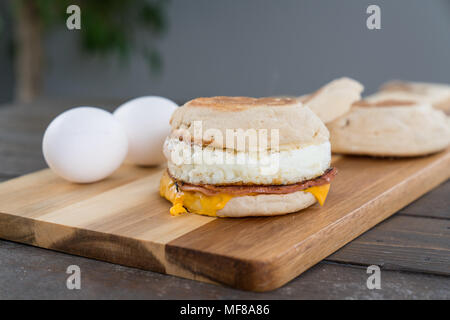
column 196, row 202
column 319, row 192
column 192, row 201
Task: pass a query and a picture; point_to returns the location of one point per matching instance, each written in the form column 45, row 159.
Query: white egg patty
column 204, row 165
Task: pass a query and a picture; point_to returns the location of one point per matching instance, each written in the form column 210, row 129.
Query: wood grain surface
column 28, row 272
column 123, row 220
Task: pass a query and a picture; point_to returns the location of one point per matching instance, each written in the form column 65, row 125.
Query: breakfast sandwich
column 240, row 156
column 436, row 94
column 394, row 128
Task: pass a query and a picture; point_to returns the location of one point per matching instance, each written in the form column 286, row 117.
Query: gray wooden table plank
column 435, row 204
column 33, row 273
column 404, row 243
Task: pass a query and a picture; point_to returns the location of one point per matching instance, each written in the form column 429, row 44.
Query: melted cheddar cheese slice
column 319, row 192
column 196, row 202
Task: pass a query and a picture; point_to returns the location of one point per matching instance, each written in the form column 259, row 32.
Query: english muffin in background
column 333, row 99
column 394, row 128
column 436, row 94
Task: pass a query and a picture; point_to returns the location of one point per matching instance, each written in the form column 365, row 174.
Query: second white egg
column 146, row 122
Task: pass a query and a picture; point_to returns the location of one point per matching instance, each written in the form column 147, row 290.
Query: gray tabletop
column 412, row 248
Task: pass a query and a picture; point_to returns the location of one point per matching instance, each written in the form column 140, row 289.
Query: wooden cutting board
column 123, row 220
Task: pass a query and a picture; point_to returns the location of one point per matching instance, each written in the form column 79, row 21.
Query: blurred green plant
column 107, row 27
column 110, row 26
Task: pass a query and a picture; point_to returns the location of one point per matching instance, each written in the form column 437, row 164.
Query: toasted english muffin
column 297, row 125
column 391, row 128
column 436, row 94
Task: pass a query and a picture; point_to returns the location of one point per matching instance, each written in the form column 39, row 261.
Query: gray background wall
column 6, row 66
column 263, row 47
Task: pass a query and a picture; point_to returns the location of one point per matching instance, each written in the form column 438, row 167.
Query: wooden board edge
column 81, row 242
column 266, row 275
column 115, row 249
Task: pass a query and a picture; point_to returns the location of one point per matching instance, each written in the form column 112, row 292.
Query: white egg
column 146, row 122
column 84, row 144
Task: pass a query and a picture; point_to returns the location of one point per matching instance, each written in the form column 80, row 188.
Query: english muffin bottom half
column 390, row 128
column 241, row 156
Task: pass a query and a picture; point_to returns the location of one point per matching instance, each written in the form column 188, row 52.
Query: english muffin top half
column 296, row 124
